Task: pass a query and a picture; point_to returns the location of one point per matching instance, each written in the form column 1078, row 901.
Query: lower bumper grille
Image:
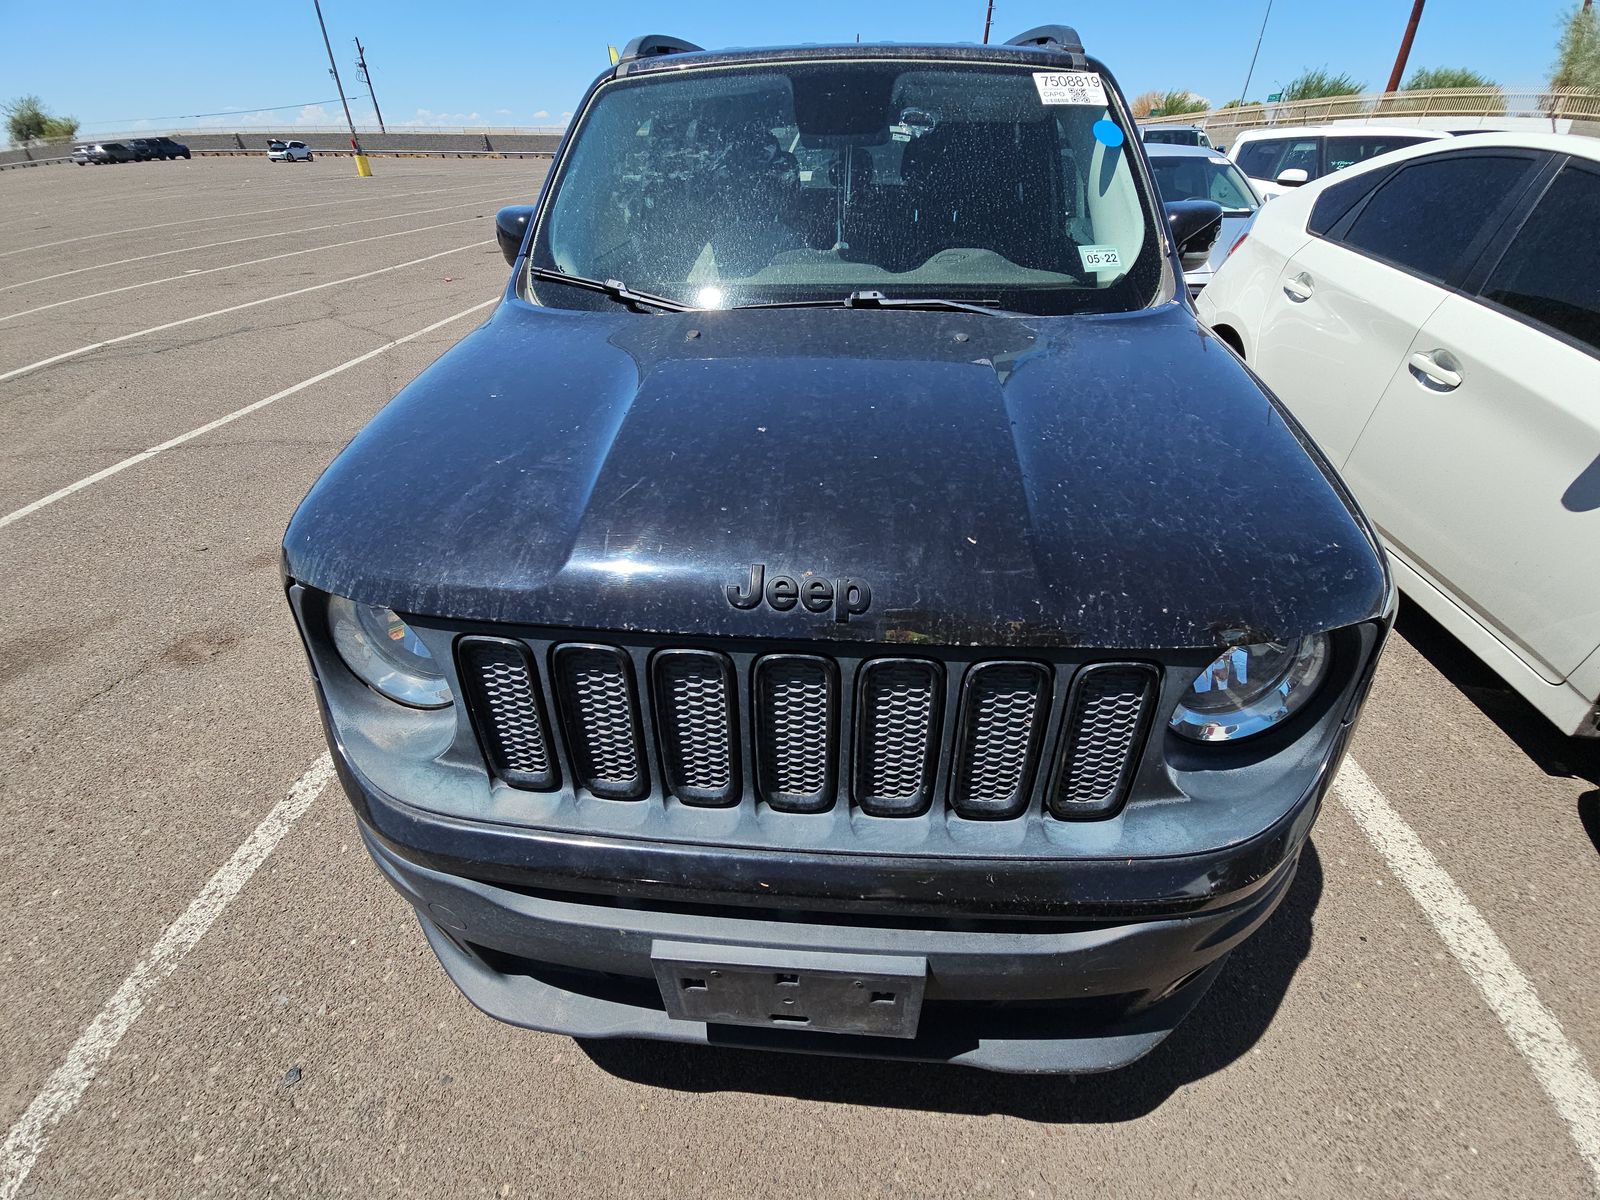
column 904, row 733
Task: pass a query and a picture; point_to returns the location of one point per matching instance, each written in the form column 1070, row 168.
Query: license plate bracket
column 878, row 995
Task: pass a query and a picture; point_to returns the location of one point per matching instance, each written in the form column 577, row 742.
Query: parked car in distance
column 1174, row 135
column 1193, row 173
column 158, row 148
column 864, row 614
column 1278, row 158
column 1433, row 320
column 288, row 151
column 98, row 153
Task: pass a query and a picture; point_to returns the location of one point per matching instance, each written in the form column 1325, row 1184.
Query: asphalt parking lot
column 209, row 991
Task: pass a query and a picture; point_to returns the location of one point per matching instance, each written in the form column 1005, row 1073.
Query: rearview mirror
column 1292, row 177
column 1195, row 225
column 510, row 226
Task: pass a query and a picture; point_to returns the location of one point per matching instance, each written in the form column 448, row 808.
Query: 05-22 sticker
column 1100, row 258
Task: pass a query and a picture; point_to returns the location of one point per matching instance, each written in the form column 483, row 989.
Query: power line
column 230, row 112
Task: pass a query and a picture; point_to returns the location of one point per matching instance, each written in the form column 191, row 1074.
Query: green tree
column 1169, row 103
column 1242, row 104
column 1488, row 100
column 1318, row 83
column 26, row 121
column 1578, row 52
column 1431, row 78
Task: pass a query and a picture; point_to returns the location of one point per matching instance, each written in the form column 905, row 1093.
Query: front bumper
column 556, row 933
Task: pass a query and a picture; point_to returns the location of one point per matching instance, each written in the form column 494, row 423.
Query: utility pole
column 1251, row 73
column 363, row 167
column 1405, row 48
column 366, row 78
column 988, row 19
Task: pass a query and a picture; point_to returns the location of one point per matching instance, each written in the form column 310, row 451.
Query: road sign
column 1274, row 97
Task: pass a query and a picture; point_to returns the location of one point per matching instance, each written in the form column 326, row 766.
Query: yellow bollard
column 363, row 166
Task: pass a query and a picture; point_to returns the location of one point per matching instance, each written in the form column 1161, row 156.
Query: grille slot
column 897, row 717
column 1004, row 706
column 694, row 702
column 796, row 723
column 1107, row 718
column 502, row 689
column 600, row 713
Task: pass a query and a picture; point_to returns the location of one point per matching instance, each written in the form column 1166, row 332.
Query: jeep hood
column 1101, row 481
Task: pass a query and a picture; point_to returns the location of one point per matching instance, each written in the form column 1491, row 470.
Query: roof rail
column 1061, row 38
column 651, row 45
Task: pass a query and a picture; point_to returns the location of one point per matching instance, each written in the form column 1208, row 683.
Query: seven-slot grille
column 797, row 719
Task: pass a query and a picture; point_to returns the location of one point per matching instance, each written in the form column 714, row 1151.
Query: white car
column 288, row 152
column 1433, row 319
column 1281, row 157
column 1194, row 173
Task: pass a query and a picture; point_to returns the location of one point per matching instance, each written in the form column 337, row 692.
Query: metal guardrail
column 1560, row 104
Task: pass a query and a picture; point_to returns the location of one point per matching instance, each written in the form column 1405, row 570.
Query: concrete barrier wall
column 255, row 142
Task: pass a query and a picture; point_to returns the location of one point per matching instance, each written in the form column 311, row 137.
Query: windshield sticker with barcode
column 1070, row 87
column 1100, row 258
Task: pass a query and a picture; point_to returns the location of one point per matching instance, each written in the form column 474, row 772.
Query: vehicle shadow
column 1551, row 751
column 1223, row 1026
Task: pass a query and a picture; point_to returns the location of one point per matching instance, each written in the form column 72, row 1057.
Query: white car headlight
column 386, row 654
column 1250, row 689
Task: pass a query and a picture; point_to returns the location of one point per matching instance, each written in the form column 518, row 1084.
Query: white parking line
column 254, row 262
column 115, row 468
column 254, row 237
column 1557, row 1064
column 94, row 1046
column 220, row 312
column 258, row 212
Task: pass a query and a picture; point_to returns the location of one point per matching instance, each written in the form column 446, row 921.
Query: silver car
column 1195, row 173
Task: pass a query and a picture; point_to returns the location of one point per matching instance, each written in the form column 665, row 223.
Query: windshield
column 1191, row 177
column 785, row 183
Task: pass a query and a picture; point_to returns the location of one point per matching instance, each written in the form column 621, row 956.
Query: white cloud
column 540, row 115
column 502, row 112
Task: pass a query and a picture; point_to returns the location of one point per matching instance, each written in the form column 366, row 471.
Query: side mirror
column 510, row 226
column 1195, row 225
column 1293, row 177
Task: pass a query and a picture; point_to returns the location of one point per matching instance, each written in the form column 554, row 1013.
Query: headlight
column 1252, row 688
column 386, row 654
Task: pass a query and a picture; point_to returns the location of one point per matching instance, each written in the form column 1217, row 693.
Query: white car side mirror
column 1293, row 177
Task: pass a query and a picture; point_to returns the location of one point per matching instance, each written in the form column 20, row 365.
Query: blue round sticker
column 1108, row 133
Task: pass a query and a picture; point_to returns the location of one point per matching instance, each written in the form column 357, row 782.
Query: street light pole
column 1405, row 48
column 988, row 19
column 366, row 78
column 363, row 167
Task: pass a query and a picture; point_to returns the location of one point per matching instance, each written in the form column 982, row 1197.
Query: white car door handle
column 1298, row 288
column 1435, row 370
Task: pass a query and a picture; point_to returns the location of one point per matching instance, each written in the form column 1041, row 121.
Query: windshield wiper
column 615, row 288
column 988, row 308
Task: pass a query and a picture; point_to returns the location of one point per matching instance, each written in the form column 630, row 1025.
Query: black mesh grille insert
column 503, row 693
column 896, row 748
column 797, row 716
column 695, row 721
column 1108, row 713
column 601, row 715
column 1004, row 707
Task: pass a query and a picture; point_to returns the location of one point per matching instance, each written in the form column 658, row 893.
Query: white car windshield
column 722, row 187
column 1191, row 177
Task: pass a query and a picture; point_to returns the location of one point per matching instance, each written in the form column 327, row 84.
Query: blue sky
column 109, row 62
